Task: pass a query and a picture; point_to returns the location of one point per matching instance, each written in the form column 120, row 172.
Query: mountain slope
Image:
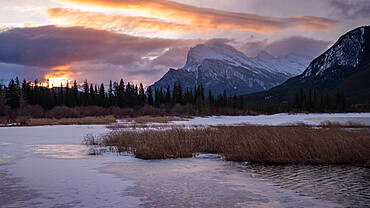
column 344, row 64
column 221, row 66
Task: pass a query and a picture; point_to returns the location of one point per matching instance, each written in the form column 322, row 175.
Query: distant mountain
column 346, row 64
column 220, row 66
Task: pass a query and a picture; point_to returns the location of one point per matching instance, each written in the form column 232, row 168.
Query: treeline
column 174, row 100
column 311, row 101
column 18, row 94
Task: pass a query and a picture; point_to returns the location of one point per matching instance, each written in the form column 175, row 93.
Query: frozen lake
column 47, row 166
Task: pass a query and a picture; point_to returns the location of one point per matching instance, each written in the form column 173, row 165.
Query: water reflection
column 347, row 185
column 11, row 191
column 204, row 183
column 60, row 151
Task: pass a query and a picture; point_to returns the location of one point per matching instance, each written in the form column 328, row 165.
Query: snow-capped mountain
column 220, row 66
column 346, row 64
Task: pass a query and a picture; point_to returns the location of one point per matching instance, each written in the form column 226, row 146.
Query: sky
column 139, row 40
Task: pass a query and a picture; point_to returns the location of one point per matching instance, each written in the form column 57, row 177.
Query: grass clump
column 153, row 119
column 267, row 144
column 71, row 121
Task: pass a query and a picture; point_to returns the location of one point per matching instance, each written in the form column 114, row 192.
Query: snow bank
column 279, row 119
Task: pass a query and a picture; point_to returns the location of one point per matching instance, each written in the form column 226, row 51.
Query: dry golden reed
column 153, row 119
column 268, row 144
column 71, row 121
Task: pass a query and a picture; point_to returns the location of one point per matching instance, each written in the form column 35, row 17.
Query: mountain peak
column 264, row 55
column 218, row 51
column 220, row 67
column 347, row 51
column 346, row 65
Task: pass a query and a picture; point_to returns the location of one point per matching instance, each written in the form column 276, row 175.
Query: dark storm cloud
column 10, row 71
column 50, row 46
column 292, row 45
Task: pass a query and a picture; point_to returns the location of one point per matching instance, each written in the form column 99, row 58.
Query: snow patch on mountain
column 345, row 52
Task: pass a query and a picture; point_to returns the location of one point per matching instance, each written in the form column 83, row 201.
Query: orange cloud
column 212, row 18
column 29, row 24
column 314, row 23
column 98, row 20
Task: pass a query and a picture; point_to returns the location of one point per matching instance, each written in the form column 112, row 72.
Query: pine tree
column 191, row 97
column 74, row 94
column 91, row 95
column 157, row 97
column 301, row 99
column 168, row 95
column 110, row 94
column 60, row 95
column 224, row 103
column 161, row 96
column 115, row 93
column 315, row 100
column 327, row 101
column 150, row 95
column 187, row 97
column 130, row 95
column 121, row 94
column 102, row 95
column 241, row 102
column 26, row 90
column 343, row 100
column 67, row 96
column 235, row 101
column 12, row 95
column 36, row 93
column 86, row 93
column 195, row 96
column 54, row 98
column 95, row 95
column 249, row 103
column 142, row 96
column 46, row 98
column 136, row 98
column 201, row 95
column 340, row 100
column 210, row 98
column 179, row 94
column 309, row 101
column 2, row 96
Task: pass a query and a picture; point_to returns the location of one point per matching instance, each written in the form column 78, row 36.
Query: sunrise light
column 59, row 75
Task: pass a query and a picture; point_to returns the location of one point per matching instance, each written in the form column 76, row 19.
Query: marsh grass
column 153, row 119
column 348, row 124
column 71, row 121
column 253, row 143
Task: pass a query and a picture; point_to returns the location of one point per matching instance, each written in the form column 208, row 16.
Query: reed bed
column 71, row 121
column 252, row 143
column 153, row 119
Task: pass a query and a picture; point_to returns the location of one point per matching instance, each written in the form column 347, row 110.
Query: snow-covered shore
column 280, row 119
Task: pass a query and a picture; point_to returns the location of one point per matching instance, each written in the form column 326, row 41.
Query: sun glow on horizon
column 60, row 75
